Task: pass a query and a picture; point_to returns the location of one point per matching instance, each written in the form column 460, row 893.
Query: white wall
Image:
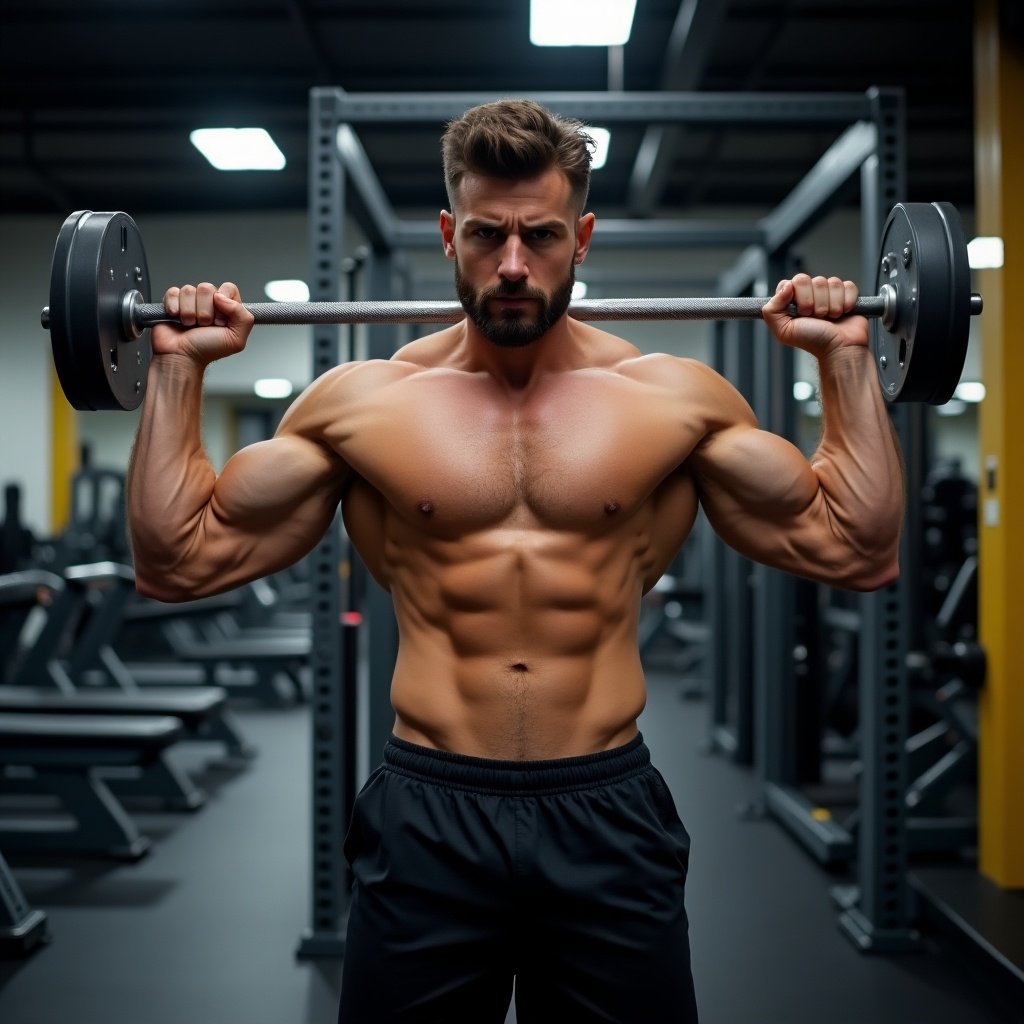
column 26, row 246
column 251, row 249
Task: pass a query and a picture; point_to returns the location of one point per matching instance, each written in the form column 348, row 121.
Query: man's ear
column 584, row 229
column 447, row 223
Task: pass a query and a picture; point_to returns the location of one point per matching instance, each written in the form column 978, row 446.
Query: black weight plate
column 64, row 353
column 920, row 356
column 948, row 334
column 98, row 259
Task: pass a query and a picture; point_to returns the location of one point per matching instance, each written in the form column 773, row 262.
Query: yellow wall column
column 999, row 166
column 63, row 454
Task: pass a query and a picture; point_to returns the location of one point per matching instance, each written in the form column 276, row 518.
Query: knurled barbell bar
column 99, row 283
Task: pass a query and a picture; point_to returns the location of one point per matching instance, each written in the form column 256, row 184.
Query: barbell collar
column 889, row 296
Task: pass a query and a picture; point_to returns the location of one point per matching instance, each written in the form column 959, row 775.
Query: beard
column 514, row 328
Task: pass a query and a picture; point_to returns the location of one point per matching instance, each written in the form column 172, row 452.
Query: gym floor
column 205, row 928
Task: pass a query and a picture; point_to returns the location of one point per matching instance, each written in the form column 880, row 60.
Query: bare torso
column 516, row 502
column 516, row 481
column 517, row 530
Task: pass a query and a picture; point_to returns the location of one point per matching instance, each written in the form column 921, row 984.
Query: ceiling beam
column 689, row 48
column 311, row 37
column 44, row 180
column 752, row 80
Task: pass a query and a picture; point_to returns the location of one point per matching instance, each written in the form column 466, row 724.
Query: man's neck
column 518, row 367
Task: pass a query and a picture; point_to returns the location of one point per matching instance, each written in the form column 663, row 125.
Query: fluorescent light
column 952, row 408
column 579, row 291
column 238, row 149
column 970, row 391
column 581, row 22
column 287, row 290
column 273, row 387
column 985, row 253
column 602, row 140
column 803, row 390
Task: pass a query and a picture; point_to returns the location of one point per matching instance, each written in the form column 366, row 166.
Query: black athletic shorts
column 565, row 875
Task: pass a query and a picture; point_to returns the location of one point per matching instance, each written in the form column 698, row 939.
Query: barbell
column 99, row 309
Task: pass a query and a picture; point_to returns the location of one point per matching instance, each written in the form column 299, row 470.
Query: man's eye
column 487, row 233
column 543, row 234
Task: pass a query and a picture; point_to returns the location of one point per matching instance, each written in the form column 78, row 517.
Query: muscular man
column 517, row 482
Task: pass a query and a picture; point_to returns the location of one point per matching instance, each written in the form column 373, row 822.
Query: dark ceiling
column 99, row 97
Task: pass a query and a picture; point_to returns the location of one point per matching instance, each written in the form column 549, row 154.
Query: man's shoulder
column 619, row 356
column 668, row 371
column 364, row 376
column 346, row 388
column 428, row 352
column 343, row 395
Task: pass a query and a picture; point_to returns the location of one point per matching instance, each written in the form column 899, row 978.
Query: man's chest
column 571, row 457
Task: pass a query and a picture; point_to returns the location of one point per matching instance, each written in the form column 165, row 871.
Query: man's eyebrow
column 497, row 222
column 546, row 225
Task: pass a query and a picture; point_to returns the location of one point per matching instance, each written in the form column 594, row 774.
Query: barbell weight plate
column 66, row 357
column 99, row 257
column 946, row 325
column 923, row 255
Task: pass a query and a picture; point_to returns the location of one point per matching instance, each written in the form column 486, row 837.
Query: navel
column 519, row 666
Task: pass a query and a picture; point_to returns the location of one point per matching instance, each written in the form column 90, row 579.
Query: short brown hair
column 516, row 139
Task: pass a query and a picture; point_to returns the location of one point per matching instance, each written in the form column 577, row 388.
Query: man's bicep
column 270, row 505
column 270, row 479
column 759, row 493
column 751, row 483
column 296, row 474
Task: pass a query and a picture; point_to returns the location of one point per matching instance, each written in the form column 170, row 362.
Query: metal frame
column 879, row 916
column 728, row 593
column 337, row 161
column 736, row 673
column 332, row 766
column 876, row 913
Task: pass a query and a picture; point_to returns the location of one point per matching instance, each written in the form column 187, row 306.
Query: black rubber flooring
column 205, row 929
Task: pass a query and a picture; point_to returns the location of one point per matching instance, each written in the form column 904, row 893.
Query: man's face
column 515, row 245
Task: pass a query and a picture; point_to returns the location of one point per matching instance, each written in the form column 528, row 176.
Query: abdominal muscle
column 529, row 707
column 518, row 644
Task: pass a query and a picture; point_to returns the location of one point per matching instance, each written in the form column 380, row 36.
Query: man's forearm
column 858, row 460
column 170, row 479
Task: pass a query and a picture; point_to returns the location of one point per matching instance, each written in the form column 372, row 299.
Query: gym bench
column 21, row 927
column 83, row 616
column 62, row 755
column 267, row 657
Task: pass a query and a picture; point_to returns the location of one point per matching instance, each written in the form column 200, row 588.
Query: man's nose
column 513, row 260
